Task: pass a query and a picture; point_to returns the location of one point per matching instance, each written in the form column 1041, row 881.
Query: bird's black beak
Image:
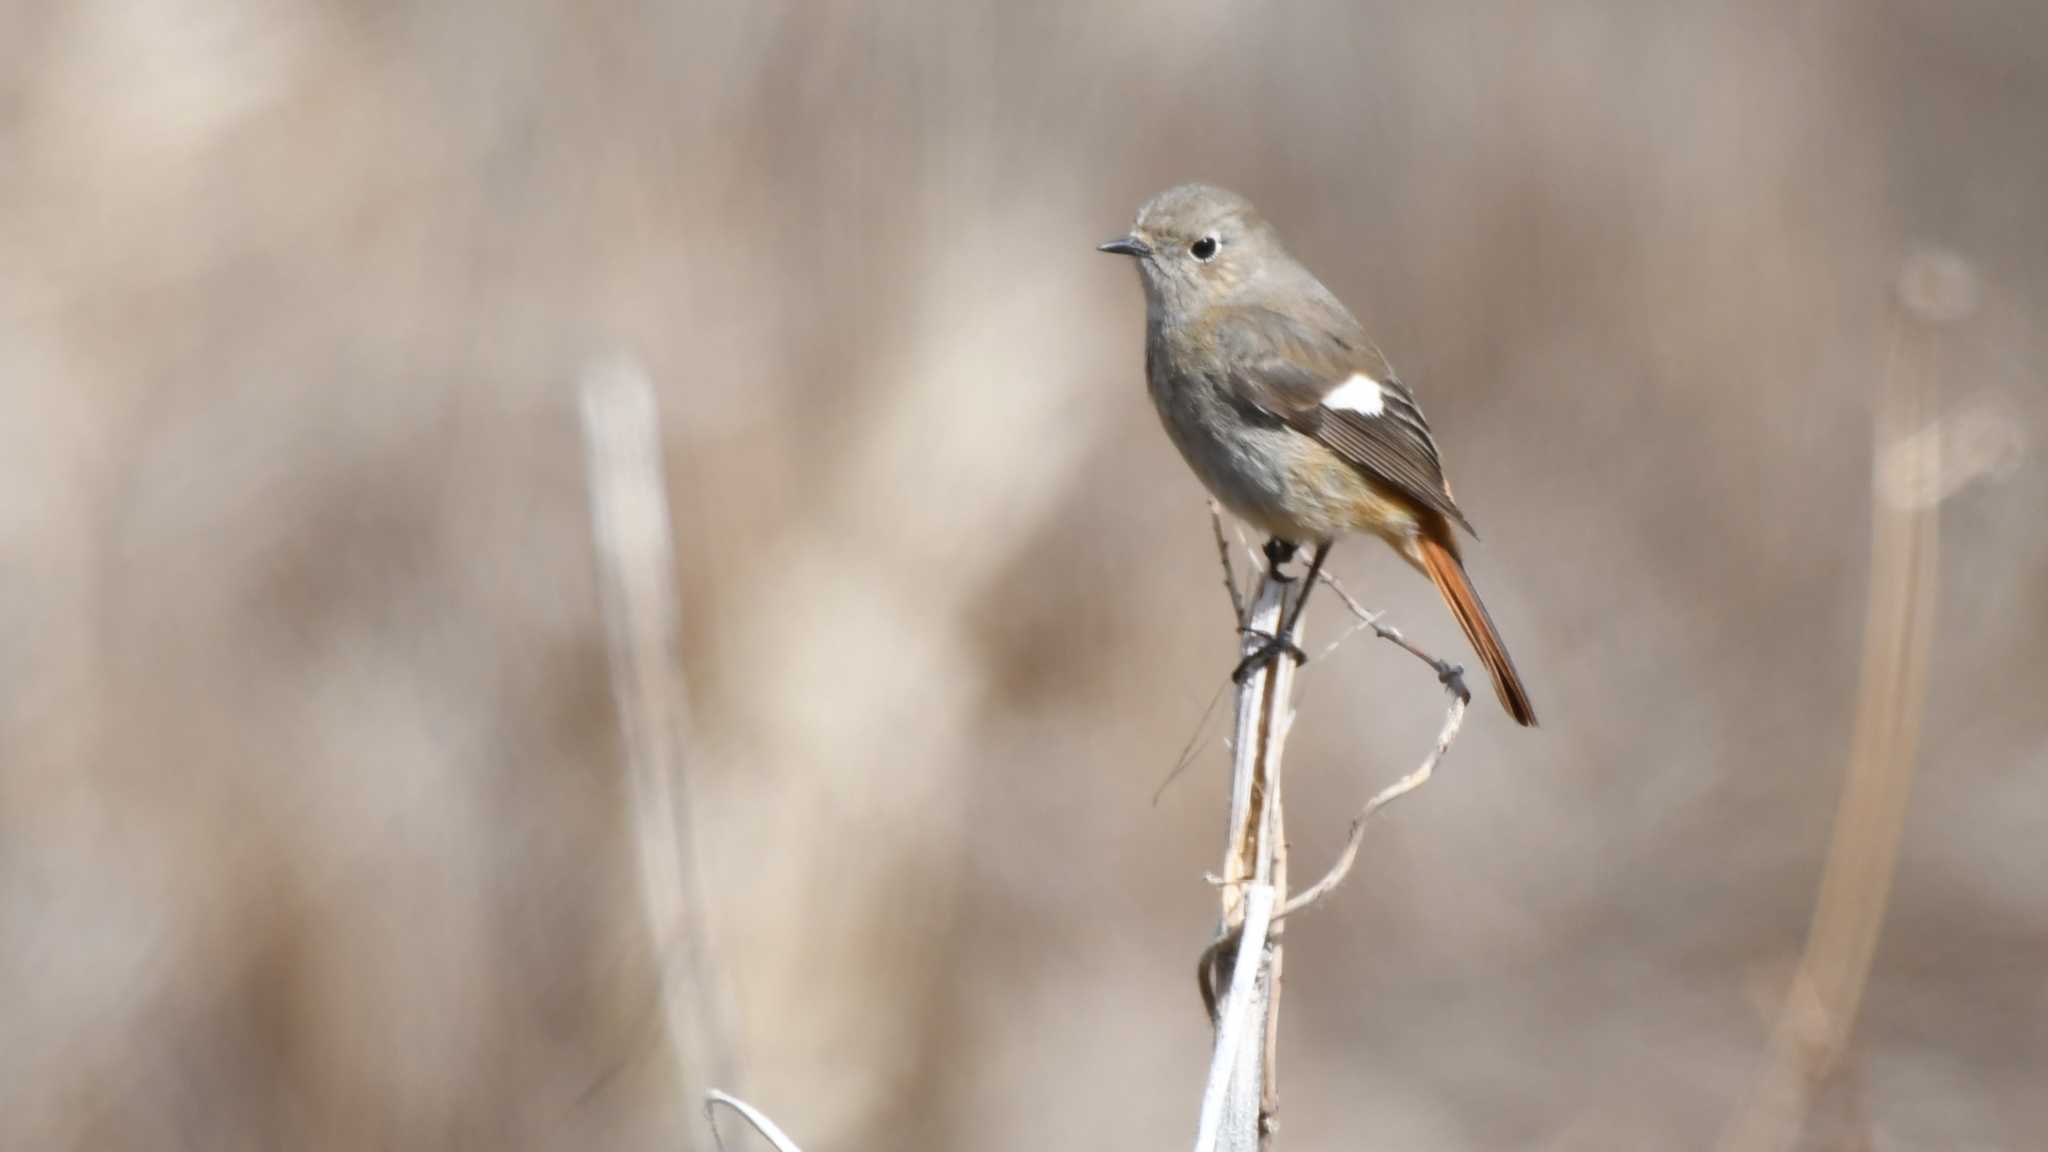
column 1126, row 246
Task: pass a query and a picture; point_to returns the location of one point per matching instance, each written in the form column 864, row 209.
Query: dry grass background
column 312, row 824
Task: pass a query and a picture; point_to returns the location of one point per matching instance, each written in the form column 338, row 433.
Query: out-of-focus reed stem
column 637, row 589
column 1819, row 1013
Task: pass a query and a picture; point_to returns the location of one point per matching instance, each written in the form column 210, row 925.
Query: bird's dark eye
column 1203, row 249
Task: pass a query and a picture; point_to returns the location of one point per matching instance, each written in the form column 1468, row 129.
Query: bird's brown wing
column 1290, row 367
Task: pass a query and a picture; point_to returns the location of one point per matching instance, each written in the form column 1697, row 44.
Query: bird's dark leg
column 1279, row 552
column 1308, row 585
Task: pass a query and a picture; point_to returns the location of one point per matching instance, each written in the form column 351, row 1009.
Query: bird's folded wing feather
column 1326, row 380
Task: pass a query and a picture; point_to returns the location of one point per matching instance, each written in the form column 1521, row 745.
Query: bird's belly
column 1250, row 479
column 1279, row 481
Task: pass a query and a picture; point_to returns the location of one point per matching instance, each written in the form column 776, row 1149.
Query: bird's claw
column 1265, row 654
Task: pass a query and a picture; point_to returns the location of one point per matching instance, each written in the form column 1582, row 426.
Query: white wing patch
column 1361, row 394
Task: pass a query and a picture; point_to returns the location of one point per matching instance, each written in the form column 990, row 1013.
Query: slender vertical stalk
column 636, row 560
column 1253, row 880
column 1819, row 1015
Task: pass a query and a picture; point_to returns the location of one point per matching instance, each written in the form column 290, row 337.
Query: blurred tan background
column 313, row 817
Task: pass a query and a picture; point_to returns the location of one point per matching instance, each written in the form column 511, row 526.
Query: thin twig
column 1330, row 649
column 1229, row 570
column 1367, row 618
column 761, row 1123
column 1237, row 616
column 1257, row 558
column 1187, row 752
column 1365, row 615
column 1454, row 718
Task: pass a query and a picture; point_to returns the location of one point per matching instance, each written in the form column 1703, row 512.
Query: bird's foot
column 1272, row 649
column 1452, row 677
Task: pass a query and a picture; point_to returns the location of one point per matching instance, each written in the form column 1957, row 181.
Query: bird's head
column 1197, row 245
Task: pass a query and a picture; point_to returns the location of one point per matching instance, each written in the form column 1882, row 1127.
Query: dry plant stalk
column 1820, row 1009
column 1241, row 1100
column 636, row 559
column 1234, row 1114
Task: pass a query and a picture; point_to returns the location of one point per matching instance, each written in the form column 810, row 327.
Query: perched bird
column 1287, row 412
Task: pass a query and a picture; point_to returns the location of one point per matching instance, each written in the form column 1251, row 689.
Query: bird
column 1289, row 414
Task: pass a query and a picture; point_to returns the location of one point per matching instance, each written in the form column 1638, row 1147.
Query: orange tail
column 1448, row 573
